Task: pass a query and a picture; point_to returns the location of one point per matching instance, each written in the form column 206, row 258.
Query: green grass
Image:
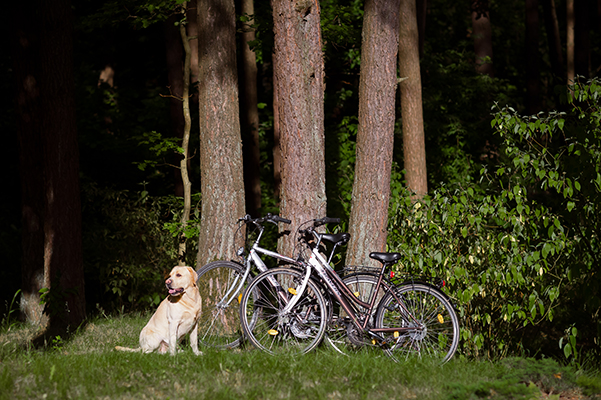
column 86, row 366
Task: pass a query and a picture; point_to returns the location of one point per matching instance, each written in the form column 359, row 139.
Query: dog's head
column 180, row 279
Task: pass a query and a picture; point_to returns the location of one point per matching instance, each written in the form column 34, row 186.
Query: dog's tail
column 128, row 349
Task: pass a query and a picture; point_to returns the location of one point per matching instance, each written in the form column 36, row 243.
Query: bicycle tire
column 267, row 328
column 219, row 322
column 437, row 328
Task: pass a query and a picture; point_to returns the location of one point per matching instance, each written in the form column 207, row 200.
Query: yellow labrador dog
column 176, row 316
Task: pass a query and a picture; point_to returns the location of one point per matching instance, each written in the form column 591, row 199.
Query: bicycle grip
column 326, row 220
column 277, row 218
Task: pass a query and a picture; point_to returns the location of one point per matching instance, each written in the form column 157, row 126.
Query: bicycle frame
column 343, row 294
column 253, row 258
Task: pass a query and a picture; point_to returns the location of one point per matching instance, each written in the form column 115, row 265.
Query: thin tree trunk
column 175, row 78
column 192, row 29
column 299, row 84
column 533, row 95
column 482, row 34
column 250, row 113
column 570, row 71
column 187, row 186
column 552, row 28
column 375, row 136
column 222, row 184
column 414, row 145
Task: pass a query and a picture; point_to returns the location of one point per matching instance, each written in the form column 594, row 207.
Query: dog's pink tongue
column 172, row 291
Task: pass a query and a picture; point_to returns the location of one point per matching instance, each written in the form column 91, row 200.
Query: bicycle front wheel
column 427, row 324
column 221, row 284
column 269, row 327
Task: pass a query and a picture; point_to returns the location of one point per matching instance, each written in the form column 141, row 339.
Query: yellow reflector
column 396, row 334
column 356, row 294
column 440, row 319
column 240, row 298
column 272, row 332
column 292, row 290
column 373, row 341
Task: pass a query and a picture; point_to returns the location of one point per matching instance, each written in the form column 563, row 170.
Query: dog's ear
column 194, row 275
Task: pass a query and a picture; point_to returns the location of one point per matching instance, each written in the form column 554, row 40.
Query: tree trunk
column 375, row 136
column 250, row 112
column 192, row 29
column 28, row 106
column 299, row 84
column 482, row 34
column 533, row 95
column 414, row 145
column 552, row 28
column 570, row 72
column 183, row 165
column 51, row 208
column 175, row 78
column 222, row 184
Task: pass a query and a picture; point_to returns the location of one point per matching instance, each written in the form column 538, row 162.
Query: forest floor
column 86, row 366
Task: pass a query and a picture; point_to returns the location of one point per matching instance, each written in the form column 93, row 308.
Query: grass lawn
column 87, row 366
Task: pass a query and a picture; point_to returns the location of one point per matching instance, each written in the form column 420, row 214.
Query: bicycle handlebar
column 267, row 218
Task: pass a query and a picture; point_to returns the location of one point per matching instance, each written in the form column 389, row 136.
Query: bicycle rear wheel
column 263, row 319
column 428, row 325
column 220, row 285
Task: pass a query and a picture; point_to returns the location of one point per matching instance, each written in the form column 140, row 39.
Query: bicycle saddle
column 385, row 258
column 338, row 238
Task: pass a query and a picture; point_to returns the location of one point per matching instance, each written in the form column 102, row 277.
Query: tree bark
column 533, row 95
column 299, row 84
column 414, row 144
column 250, row 113
column 375, row 136
column 222, row 184
column 482, row 34
column 47, row 130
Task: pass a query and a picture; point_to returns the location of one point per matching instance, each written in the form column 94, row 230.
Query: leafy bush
column 520, row 250
column 130, row 244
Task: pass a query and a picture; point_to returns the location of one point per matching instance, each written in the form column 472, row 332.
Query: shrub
column 520, row 249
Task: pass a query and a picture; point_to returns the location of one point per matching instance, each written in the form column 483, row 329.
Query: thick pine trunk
column 26, row 67
column 371, row 188
column 222, row 184
column 47, row 131
column 299, row 87
column 414, row 144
